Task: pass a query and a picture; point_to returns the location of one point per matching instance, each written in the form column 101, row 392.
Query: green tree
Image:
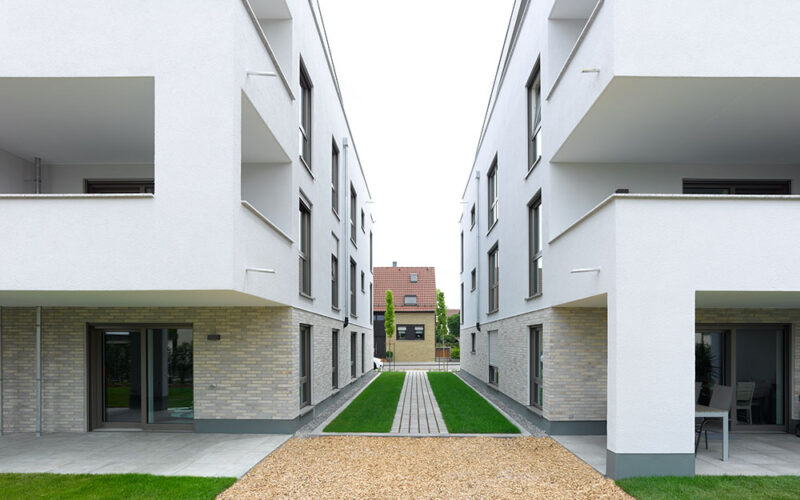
column 441, row 316
column 388, row 317
column 454, row 325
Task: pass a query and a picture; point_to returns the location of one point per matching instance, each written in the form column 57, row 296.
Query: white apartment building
column 186, row 235
column 634, row 200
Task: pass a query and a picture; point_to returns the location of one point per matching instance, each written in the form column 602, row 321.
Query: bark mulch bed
column 378, row 467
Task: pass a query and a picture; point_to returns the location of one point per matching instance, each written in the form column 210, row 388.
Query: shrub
column 455, row 352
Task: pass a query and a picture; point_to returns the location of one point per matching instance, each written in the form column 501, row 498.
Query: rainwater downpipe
column 478, row 216
column 345, row 236
column 38, row 371
column 37, row 175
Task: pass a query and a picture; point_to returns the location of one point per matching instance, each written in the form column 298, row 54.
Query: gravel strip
column 385, row 467
column 515, row 415
column 345, row 394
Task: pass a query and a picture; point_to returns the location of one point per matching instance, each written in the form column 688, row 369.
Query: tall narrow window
column 494, row 359
column 353, row 205
column 363, row 282
column 534, row 118
column 335, row 178
column 305, row 249
column 305, row 117
column 494, row 280
column 363, row 218
column 472, row 342
column 370, row 251
column 491, row 178
column 363, row 338
column 461, row 315
column 305, row 365
column 462, row 251
column 335, row 274
column 536, row 366
column 535, row 246
column 472, row 217
column 473, row 279
column 353, row 288
column 371, row 314
column 353, row 340
column 335, row 359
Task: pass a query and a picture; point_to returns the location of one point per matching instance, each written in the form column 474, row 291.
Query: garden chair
column 744, row 399
column 721, row 398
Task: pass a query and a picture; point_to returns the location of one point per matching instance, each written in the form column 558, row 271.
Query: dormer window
column 410, row 300
column 414, row 277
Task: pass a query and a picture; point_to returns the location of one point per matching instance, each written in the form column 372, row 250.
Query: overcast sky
column 415, row 77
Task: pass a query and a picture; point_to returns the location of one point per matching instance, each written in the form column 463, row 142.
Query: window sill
column 306, row 409
column 534, row 296
column 472, row 290
column 355, row 316
column 354, row 242
column 336, row 214
column 492, row 227
column 472, row 352
column 535, row 163
column 472, row 226
column 308, row 168
column 535, row 410
column 336, row 309
column 410, row 340
column 305, row 296
column 491, row 313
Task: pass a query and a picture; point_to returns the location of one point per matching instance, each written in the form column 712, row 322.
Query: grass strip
column 111, row 486
column 373, row 410
column 712, row 487
column 464, row 410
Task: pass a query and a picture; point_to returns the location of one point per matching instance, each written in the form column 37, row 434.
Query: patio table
column 709, row 412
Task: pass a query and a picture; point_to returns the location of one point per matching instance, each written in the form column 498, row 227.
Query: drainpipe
column 37, row 175
column 478, row 216
column 345, row 236
column 1, row 371
column 38, row 371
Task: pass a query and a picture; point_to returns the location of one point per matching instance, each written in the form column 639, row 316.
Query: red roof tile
column 398, row 280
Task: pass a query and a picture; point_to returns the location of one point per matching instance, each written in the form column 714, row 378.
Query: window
column 305, row 365
column 92, row 186
column 353, row 340
column 305, row 249
column 491, row 178
column 534, row 117
column 536, row 368
column 410, row 300
column 363, row 281
column 461, row 314
column 370, row 304
column 472, row 217
column 472, row 342
column 363, row 218
column 494, row 359
column 370, row 251
column 353, row 310
column 335, row 274
column 335, row 359
column 494, row 280
column 362, row 352
column 707, row 186
column 462, row 251
column 410, row 332
column 535, row 246
column 353, row 204
column 335, row 178
column 414, row 277
column 473, row 279
column 305, row 117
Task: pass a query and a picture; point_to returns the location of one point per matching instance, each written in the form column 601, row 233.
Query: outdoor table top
column 708, row 411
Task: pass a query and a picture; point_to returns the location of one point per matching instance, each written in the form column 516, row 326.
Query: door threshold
column 119, row 429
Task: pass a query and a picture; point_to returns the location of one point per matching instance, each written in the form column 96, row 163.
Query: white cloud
column 415, row 77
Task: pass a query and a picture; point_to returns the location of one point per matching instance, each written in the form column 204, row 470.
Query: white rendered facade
column 202, row 101
column 646, row 98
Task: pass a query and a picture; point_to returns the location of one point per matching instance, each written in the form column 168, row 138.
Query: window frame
column 533, row 89
column 335, row 274
column 472, row 342
column 407, row 303
column 306, row 115
column 492, row 190
column 304, row 254
column 473, row 217
column 535, row 246
column 408, row 327
column 363, row 282
column 536, row 337
column 117, row 186
column 353, row 208
column 304, row 379
column 780, row 187
column 494, row 279
column 335, row 178
column 353, row 290
column 473, row 279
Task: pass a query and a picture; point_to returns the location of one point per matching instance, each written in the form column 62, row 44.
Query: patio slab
column 773, row 454
column 163, row 453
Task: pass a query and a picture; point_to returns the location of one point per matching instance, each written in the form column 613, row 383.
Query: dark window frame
column 353, row 294
column 763, row 187
column 535, row 246
column 305, row 362
column 492, row 190
column 335, row 178
column 406, row 301
column 473, row 279
column 472, row 342
column 533, row 89
column 494, row 278
column 304, row 248
column 536, row 339
column 353, row 208
column 335, row 359
column 306, row 115
column 119, row 186
column 410, row 328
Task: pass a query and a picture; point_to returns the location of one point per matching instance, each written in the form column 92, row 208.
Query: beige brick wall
column 254, row 366
column 415, row 350
column 575, row 360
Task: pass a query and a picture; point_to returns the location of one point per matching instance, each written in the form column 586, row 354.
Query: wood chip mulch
column 389, row 467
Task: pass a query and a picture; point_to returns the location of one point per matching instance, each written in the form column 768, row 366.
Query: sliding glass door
column 141, row 377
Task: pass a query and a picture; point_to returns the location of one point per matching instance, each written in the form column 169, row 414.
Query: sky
column 415, row 77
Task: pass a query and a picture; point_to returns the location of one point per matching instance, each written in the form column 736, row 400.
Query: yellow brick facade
column 415, row 350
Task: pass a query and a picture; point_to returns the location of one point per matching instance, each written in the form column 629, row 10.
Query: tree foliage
column 454, row 325
column 441, row 316
column 388, row 321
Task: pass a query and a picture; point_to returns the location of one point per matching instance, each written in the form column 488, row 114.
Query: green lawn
column 373, row 410
column 111, row 486
column 464, row 410
column 712, row 487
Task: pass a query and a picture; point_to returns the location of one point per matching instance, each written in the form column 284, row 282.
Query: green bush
column 389, row 355
column 455, row 352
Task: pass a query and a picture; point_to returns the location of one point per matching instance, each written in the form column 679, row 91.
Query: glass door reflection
column 170, row 381
column 122, row 387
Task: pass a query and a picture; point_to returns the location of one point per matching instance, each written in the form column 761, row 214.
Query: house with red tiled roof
column 414, row 291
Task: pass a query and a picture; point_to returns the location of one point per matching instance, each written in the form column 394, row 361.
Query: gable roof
column 398, row 280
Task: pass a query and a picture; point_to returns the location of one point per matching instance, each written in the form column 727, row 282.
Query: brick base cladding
column 575, row 355
column 575, row 359
column 254, row 365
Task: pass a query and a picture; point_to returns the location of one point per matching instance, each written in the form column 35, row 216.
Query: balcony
column 677, row 82
column 722, row 248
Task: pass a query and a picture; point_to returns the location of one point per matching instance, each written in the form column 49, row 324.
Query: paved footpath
column 417, row 412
